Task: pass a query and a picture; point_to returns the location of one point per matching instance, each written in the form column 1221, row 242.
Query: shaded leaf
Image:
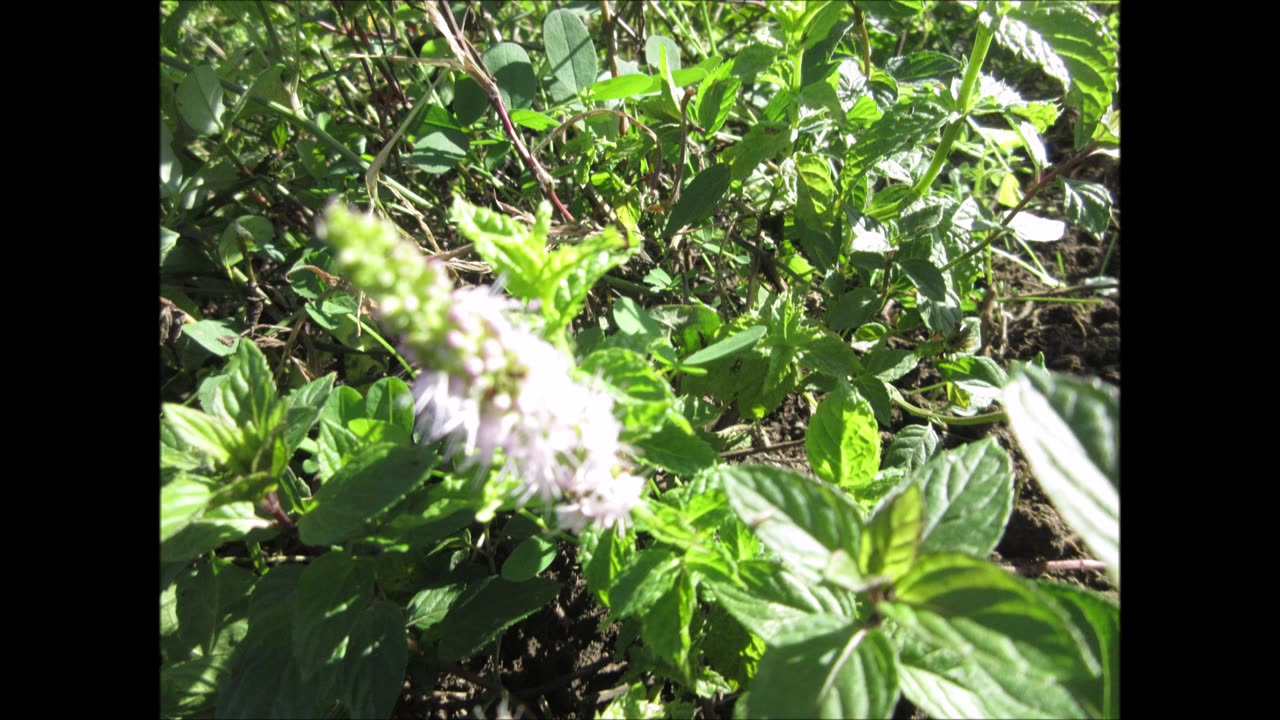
column 375, row 478
column 570, row 53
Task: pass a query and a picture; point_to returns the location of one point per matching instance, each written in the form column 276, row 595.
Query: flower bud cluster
column 488, row 384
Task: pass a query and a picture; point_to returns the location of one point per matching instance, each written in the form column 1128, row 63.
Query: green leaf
column 430, row 606
column 911, row 447
column 799, row 518
column 570, row 53
column 390, row 400
column 182, row 500
column 761, row 143
column 642, row 397
column 199, row 100
column 646, row 577
column 968, row 497
column 655, row 45
column 509, row 64
column 889, row 364
column 334, row 447
column 510, row 246
column 1087, row 204
column 773, row 605
column 254, row 231
column 305, row 405
column 624, row 86
column 213, row 607
column 971, row 607
column 371, row 675
column 728, row 347
column 665, row 625
column 530, row 557
column 843, row 440
column 853, row 309
column 216, row 336
column 1073, row 45
column 815, row 204
column 369, row 484
column 440, row 150
column 676, row 451
column 1097, row 617
column 572, row 270
column 1069, row 430
column 248, row 395
column 263, row 679
column 533, row 120
column 343, row 405
column 699, row 199
column 714, row 101
column 222, row 524
column 903, row 127
column 927, row 65
column 334, row 592
column 497, row 605
column 850, row 672
column 891, row 539
column 950, row 684
column 926, row 277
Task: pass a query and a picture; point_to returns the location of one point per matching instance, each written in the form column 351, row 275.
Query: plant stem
column 983, row 419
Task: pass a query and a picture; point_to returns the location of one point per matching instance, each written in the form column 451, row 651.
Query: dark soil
column 561, row 662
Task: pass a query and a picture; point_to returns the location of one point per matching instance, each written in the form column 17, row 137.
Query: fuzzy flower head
column 491, row 386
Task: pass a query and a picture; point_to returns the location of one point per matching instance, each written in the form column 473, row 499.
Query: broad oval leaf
column 476, row 620
column 968, row 497
column 530, row 557
column 1070, row 432
column 570, row 52
column 509, row 64
column 199, row 100
column 727, row 347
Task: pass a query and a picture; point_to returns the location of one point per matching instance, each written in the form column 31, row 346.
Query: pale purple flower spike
column 517, row 393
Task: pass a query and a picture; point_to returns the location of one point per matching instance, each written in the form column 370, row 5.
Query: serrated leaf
column 853, row 309
column 903, row 127
column 926, row 65
column 263, row 679
column 475, row 621
column 570, row 53
column 1073, row 45
column 213, row 607
column 216, row 336
column 665, row 625
column 968, row 497
column 699, row 199
column 843, row 440
column 210, row 436
column 333, row 447
column 950, row 684
column 773, row 604
column 799, row 518
column 1097, row 617
column 889, row 364
column 529, row 558
column 248, row 395
column 370, row 483
column 1070, row 432
column 892, row 537
column 714, row 101
column 511, row 247
column 926, row 277
column 510, row 66
column 761, row 143
column 199, row 100
column 850, row 672
column 1087, row 204
column 911, row 447
column 642, row 396
column 371, row 675
column 335, row 590
column 644, row 578
column 180, row 501
column 222, row 524
column 675, row 451
column 305, row 405
column 430, row 606
column 974, row 608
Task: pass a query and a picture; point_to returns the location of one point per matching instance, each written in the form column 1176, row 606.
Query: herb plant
column 470, row 307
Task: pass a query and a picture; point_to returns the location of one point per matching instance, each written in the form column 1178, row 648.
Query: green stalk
column 973, row 71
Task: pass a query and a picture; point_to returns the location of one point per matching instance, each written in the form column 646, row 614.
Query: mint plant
column 476, row 319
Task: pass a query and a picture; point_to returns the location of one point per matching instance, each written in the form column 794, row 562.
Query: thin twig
column 1034, row 568
column 728, row 454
